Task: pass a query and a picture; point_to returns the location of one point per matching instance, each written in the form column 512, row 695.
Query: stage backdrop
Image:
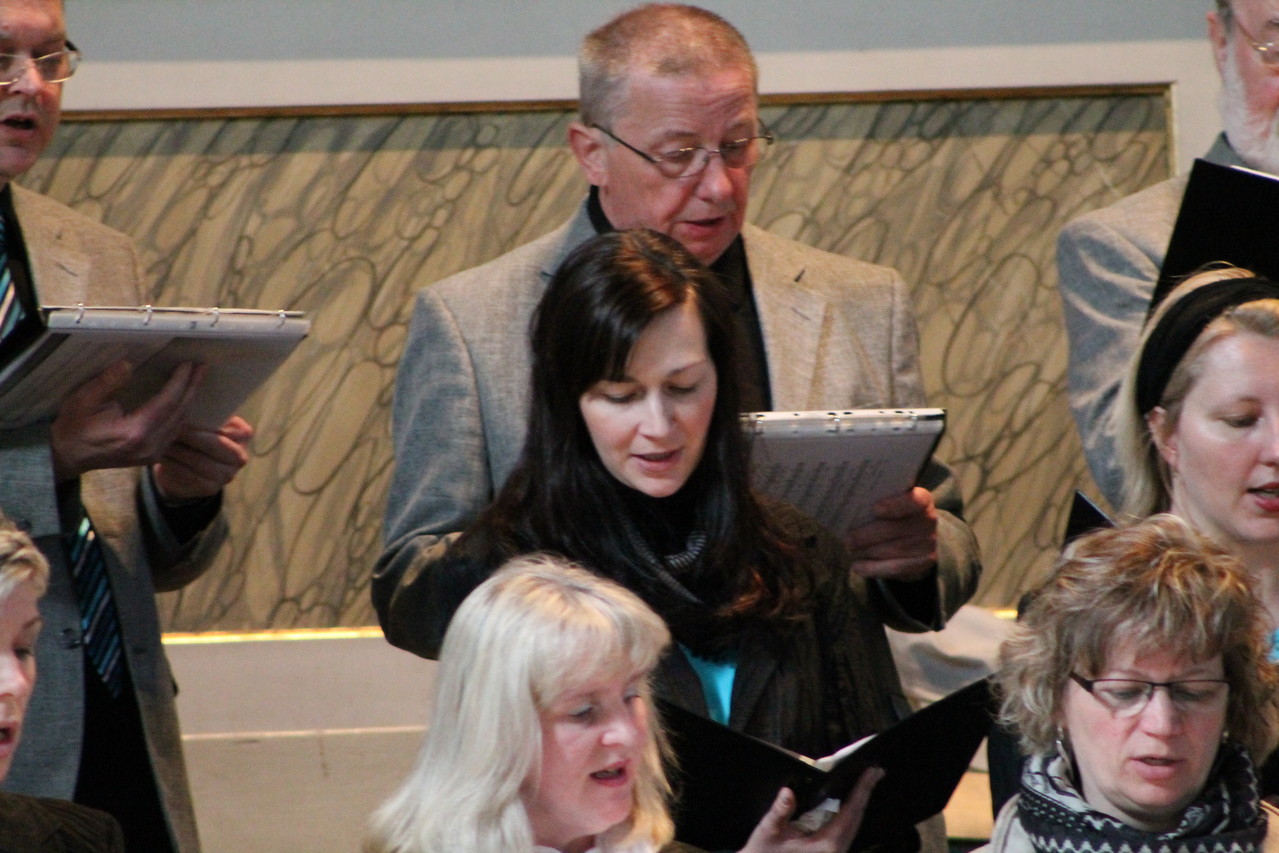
column 346, row 214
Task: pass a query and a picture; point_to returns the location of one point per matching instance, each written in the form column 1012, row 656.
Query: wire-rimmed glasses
column 692, row 161
column 1267, row 50
column 53, row 67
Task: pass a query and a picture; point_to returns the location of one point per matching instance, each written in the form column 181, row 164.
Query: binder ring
column 149, row 311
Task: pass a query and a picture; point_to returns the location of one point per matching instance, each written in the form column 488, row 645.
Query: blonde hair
column 536, row 630
column 1158, row 585
column 1147, row 480
column 20, row 561
column 666, row 39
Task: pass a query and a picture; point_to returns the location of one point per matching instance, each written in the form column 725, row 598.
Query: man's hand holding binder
column 92, row 430
column 856, row 472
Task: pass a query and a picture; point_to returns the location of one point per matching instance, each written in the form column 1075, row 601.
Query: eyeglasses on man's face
column 1128, row 697
column 1267, row 50
column 693, row 160
column 52, row 67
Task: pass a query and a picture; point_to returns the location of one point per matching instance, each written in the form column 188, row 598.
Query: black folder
column 1085, row 517
column 725, row 780
column 1228, row 214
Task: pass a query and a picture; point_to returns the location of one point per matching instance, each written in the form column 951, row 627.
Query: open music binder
column 65, row 346
column 835, row 465
column 1228, row 214
column 725, row 780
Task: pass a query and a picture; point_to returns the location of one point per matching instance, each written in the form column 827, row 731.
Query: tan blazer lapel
column 59, row 267
column 790, row 317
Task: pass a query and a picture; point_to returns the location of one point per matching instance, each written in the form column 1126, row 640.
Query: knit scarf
column 1225, row 818
column 666, row 582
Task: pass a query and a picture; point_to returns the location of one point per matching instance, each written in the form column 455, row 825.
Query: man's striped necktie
column 10, row 306
column 98, row 618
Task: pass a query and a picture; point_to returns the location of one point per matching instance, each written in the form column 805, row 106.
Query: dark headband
column 1180, row 326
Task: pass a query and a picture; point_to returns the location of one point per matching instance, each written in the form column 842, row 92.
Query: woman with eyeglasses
column 1138, row 682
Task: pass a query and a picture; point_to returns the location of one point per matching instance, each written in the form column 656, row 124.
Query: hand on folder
column 901, row 543
column 725, row 780
column 92, row 431
column 777, row 834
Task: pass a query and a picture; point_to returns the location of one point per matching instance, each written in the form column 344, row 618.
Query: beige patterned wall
column 346, row 216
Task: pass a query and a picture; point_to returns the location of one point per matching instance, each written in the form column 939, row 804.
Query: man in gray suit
column 1108, row 260
column 135, row 495
column 668, row 137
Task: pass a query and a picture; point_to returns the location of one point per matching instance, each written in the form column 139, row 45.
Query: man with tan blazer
column 149, row 485
column 668, row 137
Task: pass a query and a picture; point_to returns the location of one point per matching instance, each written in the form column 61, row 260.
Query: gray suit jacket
column 1107, row 264
column 839, row 333
column 75, row 259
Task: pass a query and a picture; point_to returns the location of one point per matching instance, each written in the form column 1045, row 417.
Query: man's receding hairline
column 661, row 39
column 59, row 12
column 60, row 5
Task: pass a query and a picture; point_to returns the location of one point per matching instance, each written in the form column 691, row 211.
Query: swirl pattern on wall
column 346, row 216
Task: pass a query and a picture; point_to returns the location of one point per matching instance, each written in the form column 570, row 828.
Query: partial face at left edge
column 20, row 625
column 30, row 107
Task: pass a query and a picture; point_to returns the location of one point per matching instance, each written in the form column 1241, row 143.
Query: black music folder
column 1085, row 517
column 1229, row 214
column 725, row 781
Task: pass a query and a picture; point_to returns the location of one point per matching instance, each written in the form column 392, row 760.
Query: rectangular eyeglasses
column 1128, row 697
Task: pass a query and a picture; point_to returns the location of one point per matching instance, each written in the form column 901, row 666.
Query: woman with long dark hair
column 635, row 465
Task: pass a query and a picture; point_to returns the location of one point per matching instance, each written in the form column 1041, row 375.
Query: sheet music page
column 835, row 465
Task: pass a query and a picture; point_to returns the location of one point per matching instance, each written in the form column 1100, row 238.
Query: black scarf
column 1226, row 817
column 668, row 545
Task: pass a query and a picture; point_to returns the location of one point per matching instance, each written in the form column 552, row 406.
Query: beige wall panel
column 346, row 216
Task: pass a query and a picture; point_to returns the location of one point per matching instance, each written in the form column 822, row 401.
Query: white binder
column 836, row 465
column 240, row 348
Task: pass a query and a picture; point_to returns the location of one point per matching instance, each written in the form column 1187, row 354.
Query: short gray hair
column 658, row 38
